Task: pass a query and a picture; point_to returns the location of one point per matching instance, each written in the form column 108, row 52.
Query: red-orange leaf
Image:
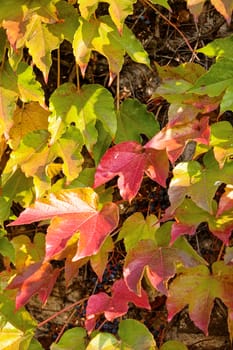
column 38, row 279
column 129, row 160
column 73, row 211
column 114, row 306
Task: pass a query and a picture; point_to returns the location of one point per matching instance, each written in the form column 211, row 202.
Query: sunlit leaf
column 71, row 339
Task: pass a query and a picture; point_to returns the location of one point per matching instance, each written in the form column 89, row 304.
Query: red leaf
column 73, row 211
column 173, row 138
column 38, row 279
column 114, row 306
column 129, row 160
column 158, row 262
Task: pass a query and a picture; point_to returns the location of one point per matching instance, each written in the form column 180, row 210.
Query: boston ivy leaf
column 70, row 339
column 163, row 3
column 198, row 182
column 26, row 119
column 158, row 263
column 198, row 288
column 173, row 138
column 82, row 108
column 220, row 225
column 221, row 140
column 136, row 336
column 113, row 306
column 41, row 42
column 73, row 211
column 133, row 120
column 38, row 279
column 100, row 260
column 103, row 341
column 173, row 344
column 118, row 10
column 81, row 43
column 15, row 187
column 6, row 247
column 135, row 228
column 129, row 160
column 226, row 200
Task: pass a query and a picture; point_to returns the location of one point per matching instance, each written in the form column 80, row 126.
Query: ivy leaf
column 113, row 306
column 226, row 200
column 198, row 182
column 82, row 108
column 15, row 187
column 173, row 138
column 118, row 10
column 220, row 225
column 133, row 120
column 157, row 262
column 41, row 42
column 70, row 339
column 136, row 336
column 129, row 160
column 29, row 118
column 135, row 228
column 221, row 137
column 198, row 288
column 72, row 211
column 100, row 260
column 38, row 279
column 103, row 341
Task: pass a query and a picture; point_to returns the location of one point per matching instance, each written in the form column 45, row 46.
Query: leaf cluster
column 61, row 153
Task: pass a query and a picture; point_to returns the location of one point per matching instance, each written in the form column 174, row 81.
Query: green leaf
column 72, row 339
column 6, row 248
column 135, row 228
column 221, row 140
column 2, row 43
column 35, row 345
column 173, row 345
column 82, row 108
column 68, row 24
column 103, row 142
column 133, row 120
column 135, row 336
column 103, row 341
column 163, row 3
column 41, row 42
column 15, row 187
column 198, row 182
column 29, row 88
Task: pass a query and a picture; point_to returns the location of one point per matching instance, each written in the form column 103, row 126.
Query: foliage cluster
column 59, row 150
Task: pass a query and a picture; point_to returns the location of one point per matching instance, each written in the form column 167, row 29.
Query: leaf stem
column 61, row 311
column 172, row 25
column 118, row 92
column 58, row 67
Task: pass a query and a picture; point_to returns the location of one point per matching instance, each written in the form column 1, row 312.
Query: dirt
column 165, row 45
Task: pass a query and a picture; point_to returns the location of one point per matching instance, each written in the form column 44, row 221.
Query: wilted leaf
column 129, row 160
column 73, row 211
column 113, row 306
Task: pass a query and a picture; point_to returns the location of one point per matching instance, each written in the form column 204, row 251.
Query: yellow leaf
column 29, row 118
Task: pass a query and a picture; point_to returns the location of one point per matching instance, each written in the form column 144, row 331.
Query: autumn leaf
column 173, row 138
column 129, row 160
column 159, row 264
column 113, row 306
column 200, row 182
column 198, row 288
column 72, row 211
column 38, row 279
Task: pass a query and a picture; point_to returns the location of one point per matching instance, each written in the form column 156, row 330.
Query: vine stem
column 61, row 311
column 172, row 25
column 64, row 326
column 58, row 67
column 118, row 92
